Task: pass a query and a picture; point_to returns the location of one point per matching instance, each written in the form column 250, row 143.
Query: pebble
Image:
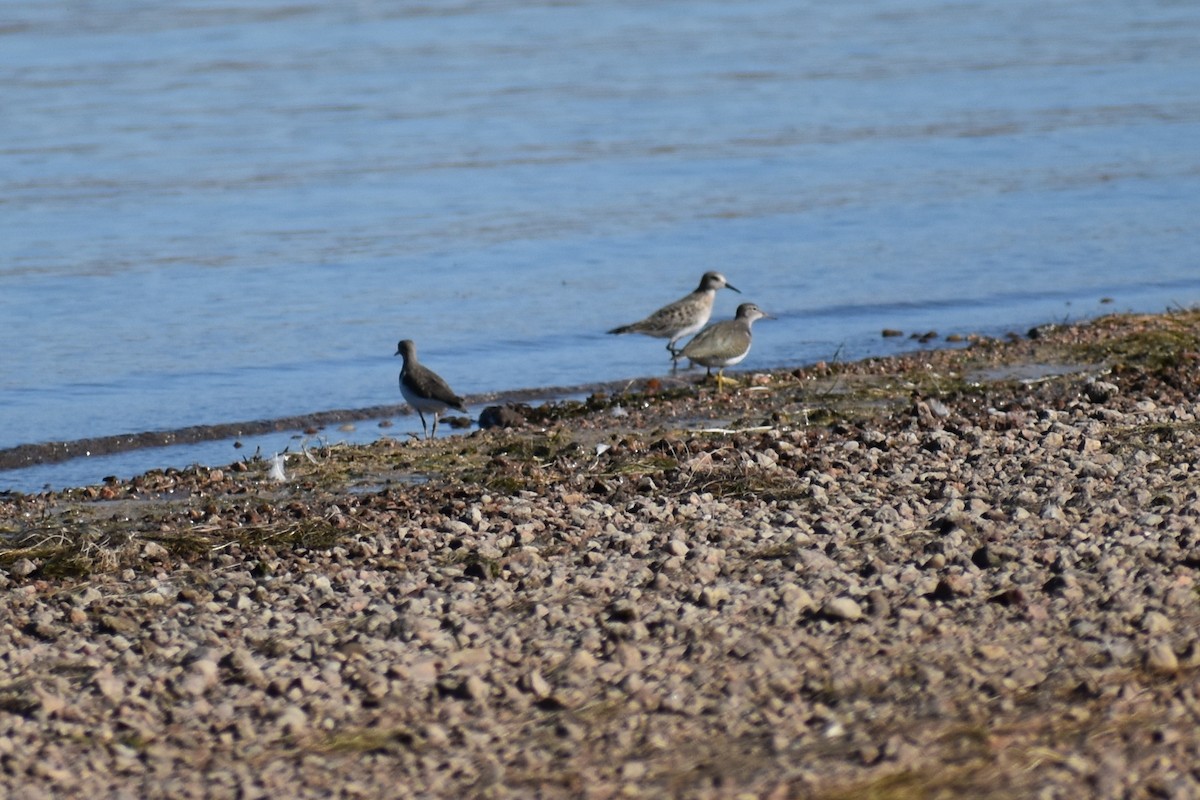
column 1156, row 623
column 292, row 720
column 843, row 608
column 202, row 675
column 538, row 685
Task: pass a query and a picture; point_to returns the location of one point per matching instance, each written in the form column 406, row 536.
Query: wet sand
column 949, row 573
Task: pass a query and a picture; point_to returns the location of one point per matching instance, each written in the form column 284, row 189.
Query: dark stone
column 1009, row 597
column 506, row 416
column 984, row 558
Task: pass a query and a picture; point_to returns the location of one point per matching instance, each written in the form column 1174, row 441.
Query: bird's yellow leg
column 722, row 380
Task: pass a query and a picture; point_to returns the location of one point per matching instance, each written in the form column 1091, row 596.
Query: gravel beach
column 969, row 571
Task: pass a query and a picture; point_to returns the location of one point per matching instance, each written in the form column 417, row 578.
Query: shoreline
column 952, row 572
column 33, row 454
column 26, row 455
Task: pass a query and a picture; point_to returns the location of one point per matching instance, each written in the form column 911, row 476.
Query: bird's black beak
column 731, row 286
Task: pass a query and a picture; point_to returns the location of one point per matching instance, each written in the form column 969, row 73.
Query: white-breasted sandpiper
column 424, row 389
column 683, row 317
column 724, row 343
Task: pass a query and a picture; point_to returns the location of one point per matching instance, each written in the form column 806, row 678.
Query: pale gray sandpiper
column 724, row 343
column 683, row 317
column 424, row 389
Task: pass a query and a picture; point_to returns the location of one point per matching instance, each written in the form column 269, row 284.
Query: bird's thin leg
column 675, row 355
column 424, row 429
column 435, row 418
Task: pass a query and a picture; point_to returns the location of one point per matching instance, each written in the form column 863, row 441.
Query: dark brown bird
column 424, row 389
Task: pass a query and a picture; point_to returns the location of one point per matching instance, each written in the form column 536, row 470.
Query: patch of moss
column 312, row 534
column 782, row 551
column 643, row 465
column 1160, row 438
column 766, row 487
column 17, row 698
column 601, row 711
column 35, row 552
column 67, row 565
column 906, row 785
column 1161, row 343
column 366, row 740
column 476, row 566
column 136, row 741
column 822, row 417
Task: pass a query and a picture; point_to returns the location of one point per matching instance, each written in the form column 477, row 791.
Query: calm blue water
column 213, row 212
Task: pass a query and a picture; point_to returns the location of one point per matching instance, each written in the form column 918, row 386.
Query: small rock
column 1190, row 655
column 506, row 416
column 986, row 558
column 583, row 661
column 50, row 702
column 475, row 687
column 1156, row 623
column 88, row 596
column 795, row 598
column 1063, row 586
column 292, row 720
column 436, row 735
column 201, row 676
column 153, row 551
column 537, row 685
column 843, row 608
column 950, row 587
column 1100, row 391
column 1161, row 658
column 1010, row 597
column 878, row 604
column 713, row 596
column 111, row 687
column 22, row 568
column 124, row 626
column 1052, row 440
column 992, row 652
column 247, row 668
column 423, row 673
column 629, row 656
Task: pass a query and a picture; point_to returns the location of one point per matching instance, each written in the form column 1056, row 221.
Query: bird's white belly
column 426, row 405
